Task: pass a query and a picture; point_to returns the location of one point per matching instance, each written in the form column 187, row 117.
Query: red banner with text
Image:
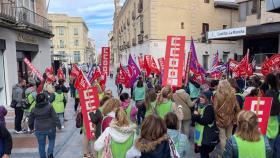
column 105, row 60
column 89, row 102
column 161, row 63
column 33, row 69
column 261, row 106
column 174, row 61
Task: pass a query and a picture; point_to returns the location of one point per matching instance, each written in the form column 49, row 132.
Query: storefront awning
column 245, row 32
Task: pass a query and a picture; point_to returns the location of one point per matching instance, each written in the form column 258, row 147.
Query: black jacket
column 44, row 116
column 162, row 151
column 6, row 137
column 275, row 109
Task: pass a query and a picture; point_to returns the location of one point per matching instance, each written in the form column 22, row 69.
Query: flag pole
column 188, row 67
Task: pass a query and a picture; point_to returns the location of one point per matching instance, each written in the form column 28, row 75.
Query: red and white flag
column 147, row 63
column 174, row 61
column 154, row 67
column 161, row 63
column 89, row 102
column 60, row 74
column 75, row 71
column 81, row 82
column 105, row 60
column 33, row 69
column 141, row 62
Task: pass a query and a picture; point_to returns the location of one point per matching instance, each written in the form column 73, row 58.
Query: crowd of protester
column 153, row 121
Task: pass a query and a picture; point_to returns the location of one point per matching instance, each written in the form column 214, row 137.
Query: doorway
column 23, row 70
column 2, row 80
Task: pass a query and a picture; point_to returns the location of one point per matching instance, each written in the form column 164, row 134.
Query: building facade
column 90, row 52
column 24, row 33
column 71, row 38
column 142, row 26
column 257, row 28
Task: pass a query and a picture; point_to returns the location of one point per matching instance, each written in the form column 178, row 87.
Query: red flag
column 50, row 75
column 271, row 65
column 60, row 74
column 81, row 82
column 95, row 75
column 243, row 67
column 147, row 63
column 154, row 67
column 161, row 63
column 174, row 61
column 141, row 62
column 123, row 77
column 75, row 71
column 103, row 81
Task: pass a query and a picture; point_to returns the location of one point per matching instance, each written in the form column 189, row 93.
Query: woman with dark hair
column 273, row 124
column 180, row 140
column 119, row 85
column 150, row 102
column 154, row 141
column 139, row 97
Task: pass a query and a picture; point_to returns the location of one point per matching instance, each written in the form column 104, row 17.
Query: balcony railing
column 22, row 15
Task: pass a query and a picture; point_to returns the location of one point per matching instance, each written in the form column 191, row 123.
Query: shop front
column 2, row 73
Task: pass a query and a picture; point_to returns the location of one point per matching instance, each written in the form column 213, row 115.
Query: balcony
column 25, row 20
column 140, row 39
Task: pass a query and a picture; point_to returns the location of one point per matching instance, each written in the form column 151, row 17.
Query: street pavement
column 68, row 141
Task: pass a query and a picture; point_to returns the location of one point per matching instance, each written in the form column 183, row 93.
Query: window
column 205, row 29
column 62, row 53
column 77, row 57
column 76, row 42
column 76, row 31
column 225, row 57
column 61, row 30
column 224, row 26
column 205, row 61
column 141, row 25
column 182, row 25
column 206, row 1
column 61, row 43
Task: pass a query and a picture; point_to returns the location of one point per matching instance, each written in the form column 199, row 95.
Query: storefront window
column 2, row 80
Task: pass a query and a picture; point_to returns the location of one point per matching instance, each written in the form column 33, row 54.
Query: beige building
column 142, row 26
column 257, row 28
column 71, row 37
column 90, row 51
column 24, row 33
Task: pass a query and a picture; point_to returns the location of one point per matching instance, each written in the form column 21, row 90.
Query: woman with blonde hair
column 247, row 141
column 226, row 109
column 164, row 103
column 118, row 138
column 109, row 111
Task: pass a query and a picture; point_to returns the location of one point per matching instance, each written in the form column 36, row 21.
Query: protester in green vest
column 139, row 97
column 77, row 100
column 30, row 95
column 58, row 105
column 273, row 124
column 247, row 141
column 130, row 109
column 109, row 112
column 150, row 102
column 204, row 119
column 164, row 104
column 118, row 137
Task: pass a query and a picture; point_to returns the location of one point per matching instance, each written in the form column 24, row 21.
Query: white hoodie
column 118, row 134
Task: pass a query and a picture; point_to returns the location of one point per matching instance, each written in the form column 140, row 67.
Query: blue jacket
column 181, row 142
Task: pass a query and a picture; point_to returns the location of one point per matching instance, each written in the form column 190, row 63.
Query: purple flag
column 194, row 65
column 136, row 71
column 215, row 61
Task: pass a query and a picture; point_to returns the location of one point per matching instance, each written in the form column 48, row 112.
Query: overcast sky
column 98, row 15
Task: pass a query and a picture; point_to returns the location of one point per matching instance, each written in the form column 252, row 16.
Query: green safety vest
column 139, row 93
column 31, row 101
column 198, row 134
column 77, row 94
column 128, row 112
column 273, row 127
column 248, row 149
column 164, row 108
column 149, row 111
column 119, row 150
column 58, row 103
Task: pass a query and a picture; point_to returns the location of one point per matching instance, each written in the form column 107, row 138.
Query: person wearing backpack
column 118, row 138
column 139, row 97
column 30, row 96
column 247, row 142
column 273, row 123
column 58, row 105
column 180, row 140
column 206, row 135
column 17, row 98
